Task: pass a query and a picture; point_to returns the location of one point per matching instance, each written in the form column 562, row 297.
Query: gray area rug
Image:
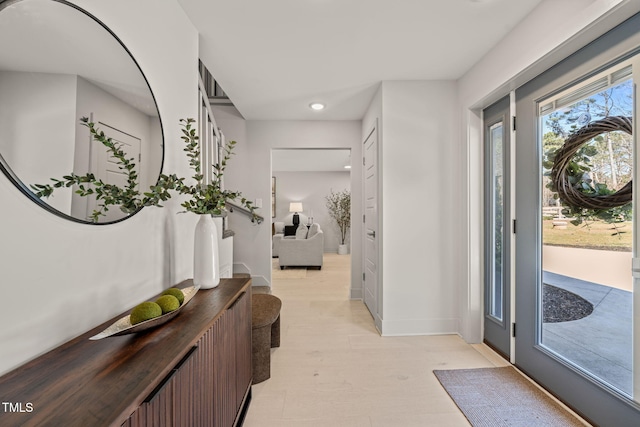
column 502, row 397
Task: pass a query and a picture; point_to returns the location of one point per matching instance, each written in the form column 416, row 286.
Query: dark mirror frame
column 12, row 176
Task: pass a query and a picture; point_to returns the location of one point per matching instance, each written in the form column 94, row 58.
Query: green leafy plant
column 202, row 198
column 127, row 198
column 339, row 206
column 208, row 198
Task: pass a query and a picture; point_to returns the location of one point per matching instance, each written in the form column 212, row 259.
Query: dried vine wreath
column 572, row 196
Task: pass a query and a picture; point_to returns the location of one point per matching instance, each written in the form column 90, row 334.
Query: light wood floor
column 334, row 369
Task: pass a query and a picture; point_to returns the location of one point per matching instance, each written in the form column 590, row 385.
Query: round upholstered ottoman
column 265, row 333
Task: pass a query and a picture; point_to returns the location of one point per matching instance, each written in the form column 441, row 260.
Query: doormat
column 502, row 397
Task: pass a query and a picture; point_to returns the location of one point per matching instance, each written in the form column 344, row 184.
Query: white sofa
column 305, row 250
column 278, row 234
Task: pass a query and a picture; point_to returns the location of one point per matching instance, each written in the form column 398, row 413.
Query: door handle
column 371, row 233
column 166, row 380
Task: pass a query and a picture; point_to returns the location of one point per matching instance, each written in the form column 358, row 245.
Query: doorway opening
column 306, row 239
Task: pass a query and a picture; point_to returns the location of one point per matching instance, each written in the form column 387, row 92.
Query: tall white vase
column 206, row 271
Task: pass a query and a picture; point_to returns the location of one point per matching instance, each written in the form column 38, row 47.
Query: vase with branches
column 206, row 199
column 339, row 206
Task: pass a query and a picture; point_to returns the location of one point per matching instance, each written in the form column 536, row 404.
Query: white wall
column 64, row 278
column 254, row 178
column 417, row 171
column 234, row 128
column 311, row 188
column 37, row 132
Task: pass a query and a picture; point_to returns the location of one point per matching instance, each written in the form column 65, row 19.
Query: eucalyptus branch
column 203, row 198
column 126, row 165
column 192, row 148
column 207, row 198
column 128, row 198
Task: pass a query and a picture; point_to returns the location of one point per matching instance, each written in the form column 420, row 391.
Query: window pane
column 586, row 290
column 497, row 167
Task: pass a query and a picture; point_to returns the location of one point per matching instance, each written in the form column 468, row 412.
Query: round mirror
column 59, row 64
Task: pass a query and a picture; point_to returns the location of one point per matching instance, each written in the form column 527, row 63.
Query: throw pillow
column 289, row 230
column 313, row 230
column 279, row 227
column 301, row 232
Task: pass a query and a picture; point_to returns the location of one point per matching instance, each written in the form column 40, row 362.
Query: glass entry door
column 586, row 292
column 576, row 229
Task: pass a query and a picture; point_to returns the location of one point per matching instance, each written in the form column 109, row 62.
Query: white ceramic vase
column 206, row 271
column 343, row 250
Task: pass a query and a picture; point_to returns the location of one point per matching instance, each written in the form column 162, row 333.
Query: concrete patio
column 601, row 343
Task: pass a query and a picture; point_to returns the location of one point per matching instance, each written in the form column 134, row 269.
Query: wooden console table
column 194, row 370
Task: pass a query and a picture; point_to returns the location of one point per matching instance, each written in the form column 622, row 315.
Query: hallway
column 333, row 368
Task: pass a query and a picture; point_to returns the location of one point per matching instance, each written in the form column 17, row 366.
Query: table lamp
column 295, row 207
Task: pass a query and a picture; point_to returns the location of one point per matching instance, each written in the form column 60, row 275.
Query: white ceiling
column 273, row 58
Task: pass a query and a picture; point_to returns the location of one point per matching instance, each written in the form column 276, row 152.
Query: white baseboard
column 445, row 326
column 241, row 268
column 226, row 271
column 378, row 323
column 259, row 281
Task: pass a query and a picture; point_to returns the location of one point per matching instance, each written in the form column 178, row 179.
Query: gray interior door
column 371, row 235
column 497, row 294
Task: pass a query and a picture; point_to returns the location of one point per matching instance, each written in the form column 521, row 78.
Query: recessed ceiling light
column 347, row 167
column 316, row 106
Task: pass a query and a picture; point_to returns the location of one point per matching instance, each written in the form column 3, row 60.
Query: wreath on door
column 569, row 180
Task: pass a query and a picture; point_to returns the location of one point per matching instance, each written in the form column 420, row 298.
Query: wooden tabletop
column 101, row 383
